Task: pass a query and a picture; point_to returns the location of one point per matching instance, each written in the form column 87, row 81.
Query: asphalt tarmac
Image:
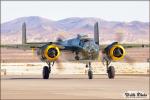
column 71, row 86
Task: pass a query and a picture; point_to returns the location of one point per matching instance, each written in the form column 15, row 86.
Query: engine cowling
column 51, row 52
column 115, row 51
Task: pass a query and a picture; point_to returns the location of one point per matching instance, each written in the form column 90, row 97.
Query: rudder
column 23, row 33
column 96, row 33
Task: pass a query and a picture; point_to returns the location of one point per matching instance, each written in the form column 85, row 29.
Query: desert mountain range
column 42, row 29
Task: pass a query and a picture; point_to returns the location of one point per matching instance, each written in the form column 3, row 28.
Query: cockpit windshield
column 83, row 41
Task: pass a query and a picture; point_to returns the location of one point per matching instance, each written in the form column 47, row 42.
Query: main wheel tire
column 111, row 72
column 46, row 72
column 90, row 74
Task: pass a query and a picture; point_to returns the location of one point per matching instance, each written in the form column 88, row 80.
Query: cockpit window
column 82, row 42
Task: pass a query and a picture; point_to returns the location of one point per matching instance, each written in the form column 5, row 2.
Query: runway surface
column 71, row 87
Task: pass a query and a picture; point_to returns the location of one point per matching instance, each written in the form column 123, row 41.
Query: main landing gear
column 47, row 70
column 90, row 72
column 110, row 70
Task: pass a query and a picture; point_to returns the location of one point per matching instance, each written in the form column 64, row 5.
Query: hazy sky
column 56, row 10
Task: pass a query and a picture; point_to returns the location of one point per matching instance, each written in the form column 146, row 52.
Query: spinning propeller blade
column 60, row 66
column 59, row 62
column 60, row 38
column 119, row 38
column 129, row 60
column 33, row 53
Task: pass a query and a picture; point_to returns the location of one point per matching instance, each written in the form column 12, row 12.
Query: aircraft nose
column 91, row 50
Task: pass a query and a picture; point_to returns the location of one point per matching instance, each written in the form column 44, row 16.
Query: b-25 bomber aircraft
column 83, row 48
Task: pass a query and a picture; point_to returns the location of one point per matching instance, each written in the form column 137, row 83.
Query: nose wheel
column 47, row 70
column 77, row 56
column 90, row 72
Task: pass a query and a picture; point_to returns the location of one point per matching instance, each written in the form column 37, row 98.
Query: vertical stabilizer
column 96, row 33
column 23, row 33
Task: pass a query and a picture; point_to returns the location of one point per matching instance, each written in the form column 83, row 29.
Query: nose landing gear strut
column 90, row 72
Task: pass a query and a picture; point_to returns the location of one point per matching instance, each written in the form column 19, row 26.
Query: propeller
column 129, row 59
column 101, row 57
column 60, row 37
column 60, row 65
column 119, row 37
column 33, row 53
column 59, row 62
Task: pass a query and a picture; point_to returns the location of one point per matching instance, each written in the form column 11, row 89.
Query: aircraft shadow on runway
column 67, row 78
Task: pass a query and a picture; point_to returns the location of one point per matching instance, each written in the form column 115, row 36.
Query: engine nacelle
column 51, row 52
column 115, row 51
